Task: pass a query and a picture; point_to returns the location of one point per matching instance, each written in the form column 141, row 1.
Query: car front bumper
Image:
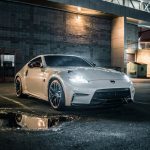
column 101, row 96
column 99, row 92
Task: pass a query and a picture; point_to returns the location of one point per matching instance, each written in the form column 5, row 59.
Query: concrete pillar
column 118, row 42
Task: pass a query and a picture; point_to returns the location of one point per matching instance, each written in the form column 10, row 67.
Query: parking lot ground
column 125, row 127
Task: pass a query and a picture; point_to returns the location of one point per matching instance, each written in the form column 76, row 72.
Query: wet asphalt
column 121, row 128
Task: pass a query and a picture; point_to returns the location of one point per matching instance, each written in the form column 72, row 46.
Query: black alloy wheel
column 18, row 86
column 56, row 95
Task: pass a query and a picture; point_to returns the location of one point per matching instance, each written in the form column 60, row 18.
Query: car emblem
column 112, row 81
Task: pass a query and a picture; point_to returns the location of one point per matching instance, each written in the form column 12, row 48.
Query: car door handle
column 26, row 73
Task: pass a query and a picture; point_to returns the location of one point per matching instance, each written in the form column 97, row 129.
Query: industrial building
column 110, row 33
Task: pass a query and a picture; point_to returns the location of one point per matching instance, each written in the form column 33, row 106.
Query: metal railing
column 135, row 4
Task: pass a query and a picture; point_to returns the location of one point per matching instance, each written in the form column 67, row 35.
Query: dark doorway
column 7, row 67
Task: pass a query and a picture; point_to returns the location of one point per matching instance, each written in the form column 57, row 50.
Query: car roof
column 54, row 55
column 57, row 55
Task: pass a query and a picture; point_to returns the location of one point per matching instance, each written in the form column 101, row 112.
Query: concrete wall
column 132, row 42
column 143, row 56
column 132, row 36
column 124, row 42
column 108, row 7
column 29, row 30
column 117, row 43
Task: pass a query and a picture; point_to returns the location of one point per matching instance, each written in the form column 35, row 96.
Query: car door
column 34, row 77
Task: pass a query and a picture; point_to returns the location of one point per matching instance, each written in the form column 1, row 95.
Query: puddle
column 28, row 121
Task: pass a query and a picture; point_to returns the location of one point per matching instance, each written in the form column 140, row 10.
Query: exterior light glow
column 78, row 17
column 79, row 9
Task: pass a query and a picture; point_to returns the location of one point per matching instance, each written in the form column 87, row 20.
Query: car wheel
column 56, row 95
column 18, row 86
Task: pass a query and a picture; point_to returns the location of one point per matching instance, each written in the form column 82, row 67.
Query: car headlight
column 127, row 78
column 78, row 79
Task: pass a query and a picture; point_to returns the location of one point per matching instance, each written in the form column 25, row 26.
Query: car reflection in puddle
column 26, row 121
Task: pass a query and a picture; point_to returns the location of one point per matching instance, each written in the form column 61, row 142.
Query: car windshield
column 65, row 61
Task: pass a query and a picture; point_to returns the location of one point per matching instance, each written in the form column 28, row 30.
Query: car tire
column 56, row 95
column 18, row 87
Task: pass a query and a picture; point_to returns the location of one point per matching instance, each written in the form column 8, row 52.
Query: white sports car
column 65, row 80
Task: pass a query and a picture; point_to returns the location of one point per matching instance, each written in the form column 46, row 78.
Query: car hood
column 93, row 73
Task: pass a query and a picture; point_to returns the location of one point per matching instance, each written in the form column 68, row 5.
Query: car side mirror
column 30, row 65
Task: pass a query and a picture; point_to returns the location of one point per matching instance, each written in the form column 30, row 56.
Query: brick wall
column 32, row 30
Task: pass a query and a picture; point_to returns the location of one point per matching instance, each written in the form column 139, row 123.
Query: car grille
column 111, row 95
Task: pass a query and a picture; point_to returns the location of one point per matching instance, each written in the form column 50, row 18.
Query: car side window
column 37, row 62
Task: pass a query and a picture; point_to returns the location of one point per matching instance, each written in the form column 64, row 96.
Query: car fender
column 20, row 74
column 63, row 80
